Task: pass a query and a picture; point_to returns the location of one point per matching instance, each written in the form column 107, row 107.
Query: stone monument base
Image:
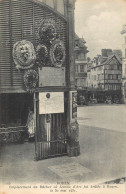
column 73, row 151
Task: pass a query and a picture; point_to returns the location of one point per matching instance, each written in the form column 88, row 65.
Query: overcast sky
column 100, row 23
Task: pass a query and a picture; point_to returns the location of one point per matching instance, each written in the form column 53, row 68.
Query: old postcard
column 62, row 96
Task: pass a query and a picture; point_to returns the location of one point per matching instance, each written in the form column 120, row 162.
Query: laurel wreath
column 47, row 31
column 30, row 79
column 41, row 55
column 57, row 53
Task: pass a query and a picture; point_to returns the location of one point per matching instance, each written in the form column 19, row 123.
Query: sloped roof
column 105, row 60
column 81, row 41
column 80, row 44
column 77, row 38
column 102, row 59
column 110, row 57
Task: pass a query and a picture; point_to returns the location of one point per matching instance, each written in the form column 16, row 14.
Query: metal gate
column 52, row 136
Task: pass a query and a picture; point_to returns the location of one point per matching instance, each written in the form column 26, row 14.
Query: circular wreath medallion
column 47, row 30
column 41, row 55
column 24, row 54
column 57, row 53
column 30, row 79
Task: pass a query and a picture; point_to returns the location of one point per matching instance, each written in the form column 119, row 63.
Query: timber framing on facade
column 104, row 78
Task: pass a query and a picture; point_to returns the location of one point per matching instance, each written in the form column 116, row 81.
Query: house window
column 116, row 67
column 110, row 76
column 76, row 68
column 81, row 68
column 102, row 86
column 112, row 66
column 76, row 56
column 106, row 76
column 125, row 68
column 110, row 86
column 107, row 66
column 114, row 76
column 119, row 77
column 106, row 86
column 119, row 67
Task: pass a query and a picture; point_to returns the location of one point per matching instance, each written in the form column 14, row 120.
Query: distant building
column 123, row 33
column 104, row 76
column 81, row 66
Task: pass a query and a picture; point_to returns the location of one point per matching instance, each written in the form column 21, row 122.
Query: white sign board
column 51, row 102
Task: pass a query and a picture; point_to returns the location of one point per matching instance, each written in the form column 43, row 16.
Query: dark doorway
column 14, row 109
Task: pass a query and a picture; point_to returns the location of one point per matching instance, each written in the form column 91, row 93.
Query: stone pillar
column 71, row 42
column 73, row 148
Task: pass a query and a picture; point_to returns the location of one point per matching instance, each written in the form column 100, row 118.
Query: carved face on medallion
column 23, row 54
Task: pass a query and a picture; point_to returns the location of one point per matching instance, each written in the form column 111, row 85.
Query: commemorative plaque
column 51, row 102
column 51, row 76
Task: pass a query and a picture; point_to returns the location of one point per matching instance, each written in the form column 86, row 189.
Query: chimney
column 106, row 52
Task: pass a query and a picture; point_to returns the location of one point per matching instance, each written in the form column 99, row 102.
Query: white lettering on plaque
column 51, row 102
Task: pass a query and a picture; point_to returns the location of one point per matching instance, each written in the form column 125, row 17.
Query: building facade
column 81, row 68
column 123, row 33
column 104, row 77
column 37, row 75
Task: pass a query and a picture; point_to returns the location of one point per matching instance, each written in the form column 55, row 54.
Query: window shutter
column 5, row 48
column 19, row 19
column 16, row 35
